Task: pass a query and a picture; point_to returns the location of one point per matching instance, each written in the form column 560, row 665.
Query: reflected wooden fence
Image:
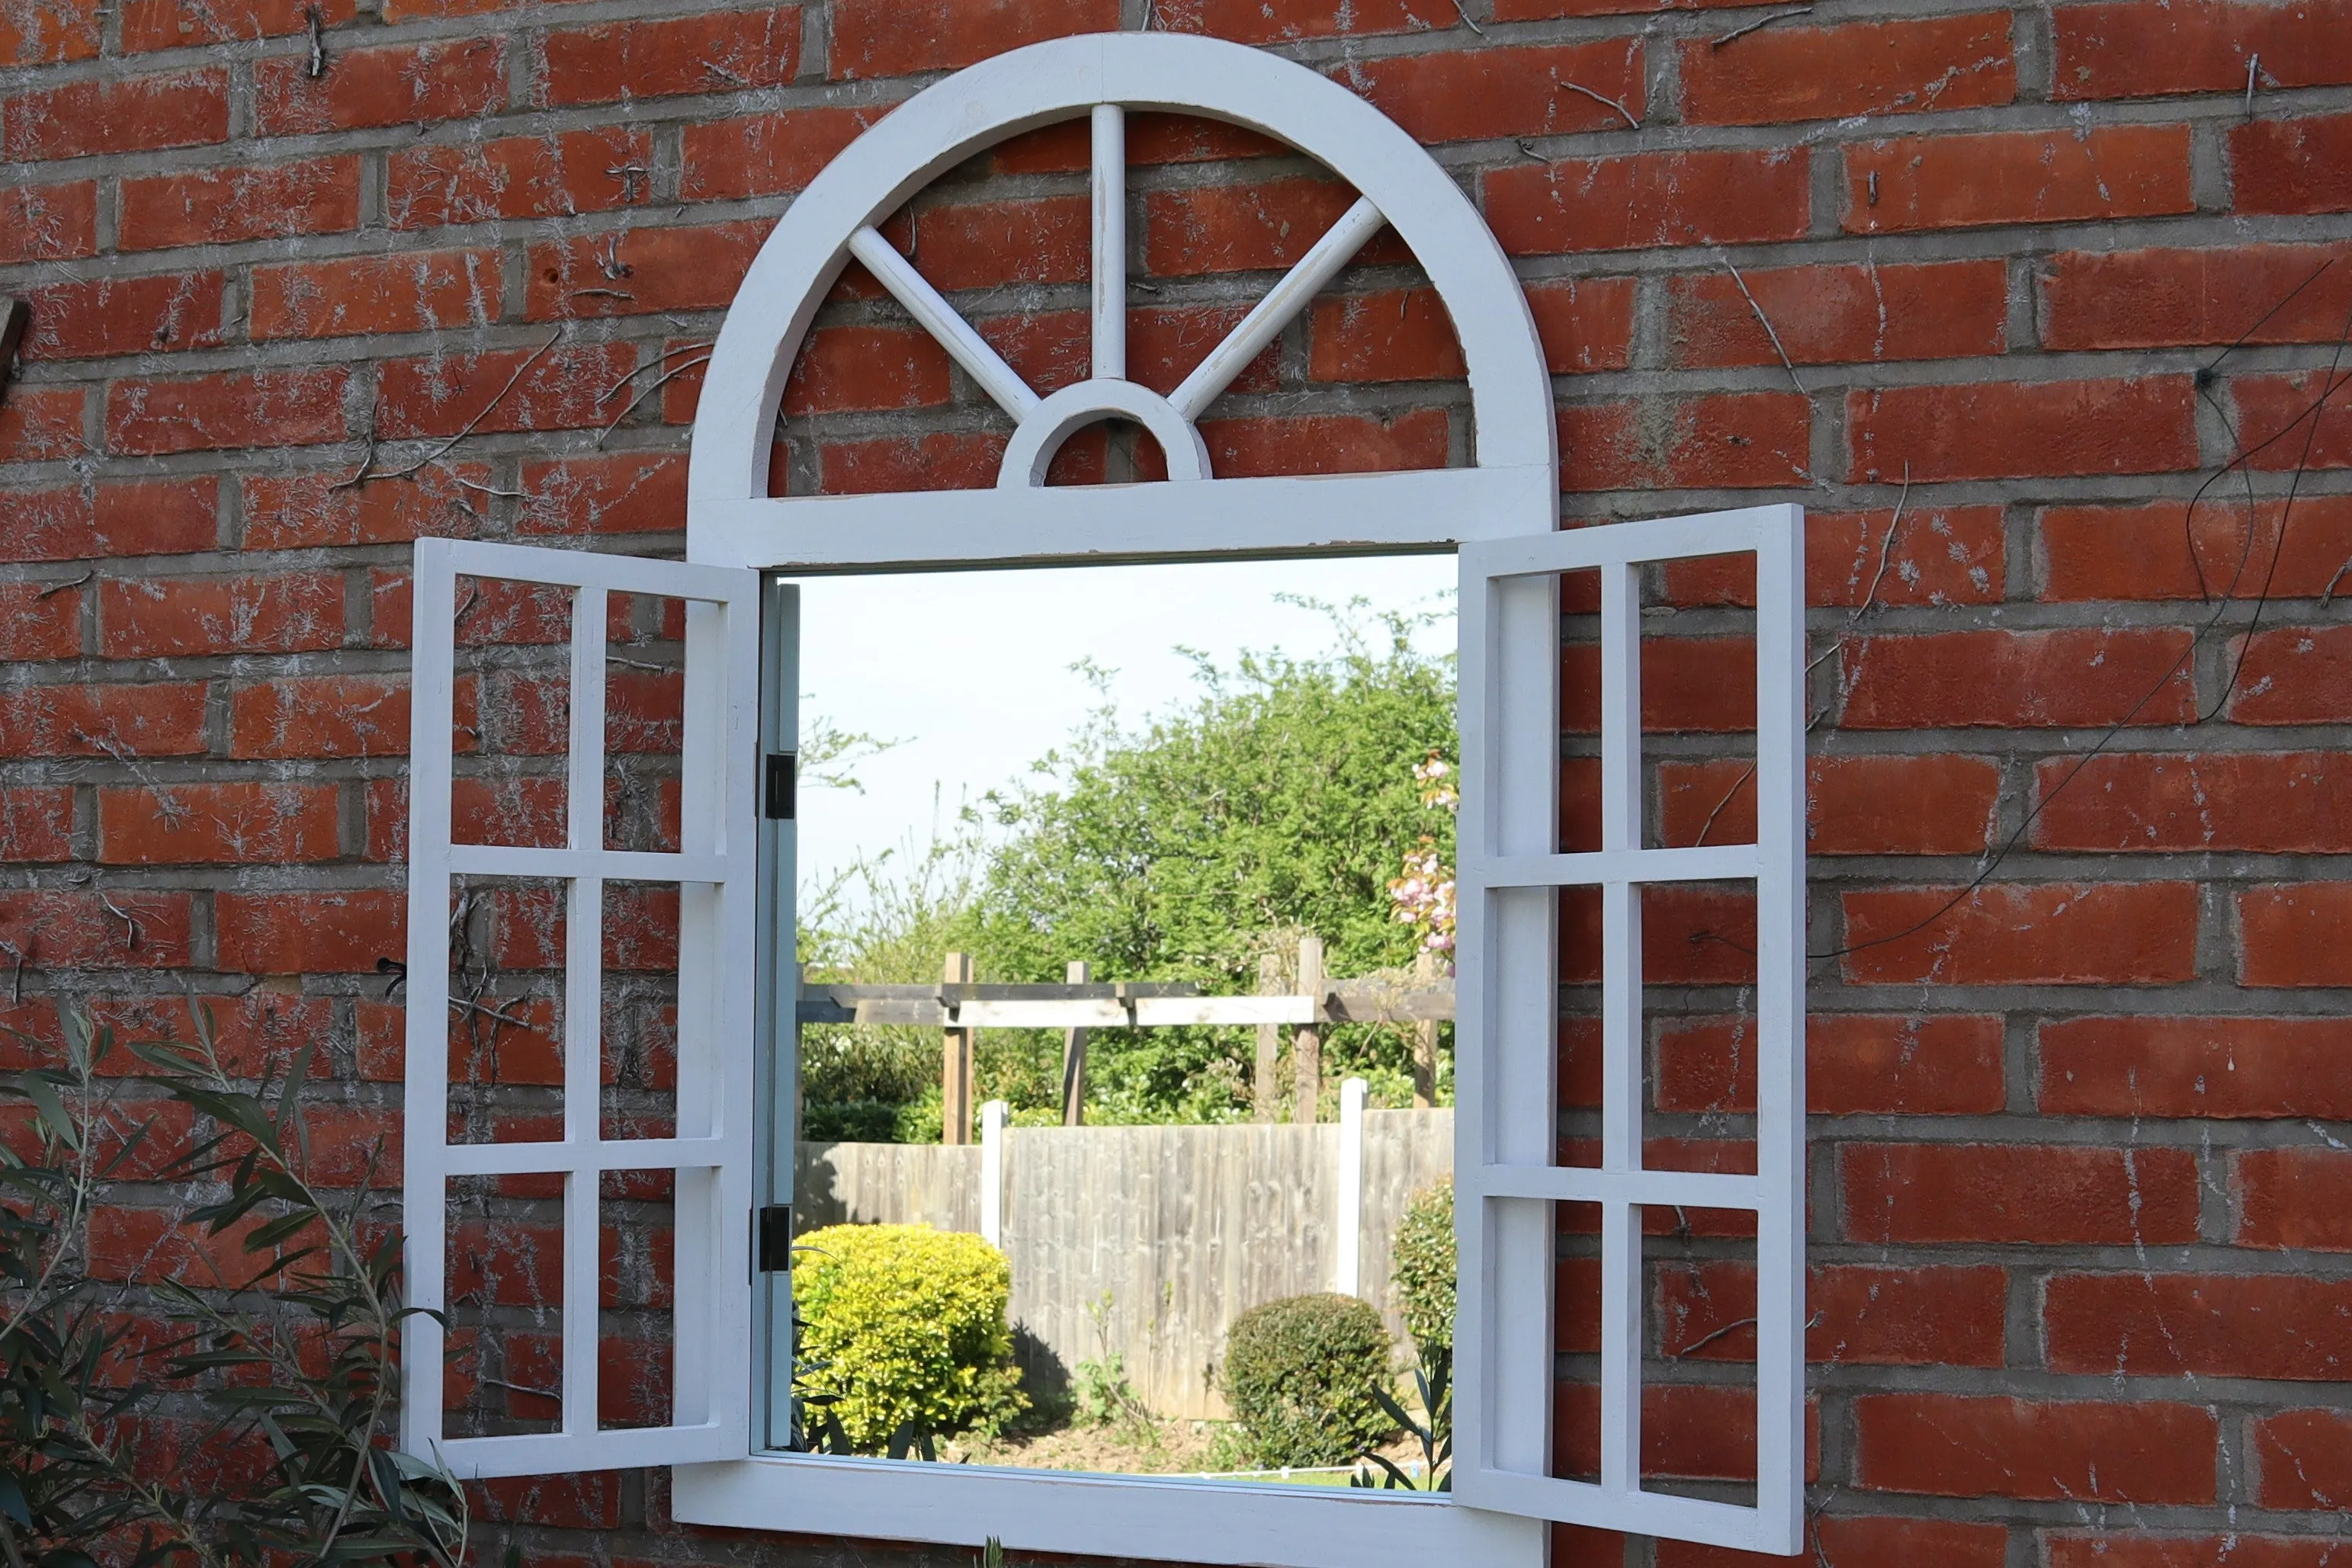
column 1149, row 1241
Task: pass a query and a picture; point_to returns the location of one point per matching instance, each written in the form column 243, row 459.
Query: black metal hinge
column 783, row 786
column 775, row 1239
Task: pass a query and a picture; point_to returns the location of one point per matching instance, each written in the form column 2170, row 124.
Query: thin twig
column 1885, row 548
column 317, row 25
column 1559, row 81
column 666, row 377
column 1738, row 785
column 1704, row 1340
column 364, row 475
column 2253, row 64
column 130, row 926
column 88, row 573
column 1466, row 21
column 1769, row 330
column 1736, row 34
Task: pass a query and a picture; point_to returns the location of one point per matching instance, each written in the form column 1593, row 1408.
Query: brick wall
column 2080, row 1179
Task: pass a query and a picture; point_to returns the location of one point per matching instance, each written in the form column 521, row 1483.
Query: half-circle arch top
column 728, row 504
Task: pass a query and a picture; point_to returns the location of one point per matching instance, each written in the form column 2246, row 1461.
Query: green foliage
column 1304, row 1378
column 293, row 1367
column 1431, row 1430
column 904, row 1334
column 1423, row 1268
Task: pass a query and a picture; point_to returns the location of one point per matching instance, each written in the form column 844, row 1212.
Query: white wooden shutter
column 710, row 1150
column 1509, row 1177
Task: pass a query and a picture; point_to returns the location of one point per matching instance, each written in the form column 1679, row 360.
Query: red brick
column 1480, row 94
column 1939, row 63
column 2036, row 1195
column 2007, row 430
column 206, row 414
column 41, row 424
column 626, row 493
column 725, row 51
column 2199, row 1325
column 520, row 177
column 903, row 37
column 2305, row 1460
column 1067, row 147
column 1231, row 228
column 856, row 368
column 589, row 1500
column 50, row 32
column 1585, row 324
column 157, row 517
column 2266, row 803
column 2108, row 934
column 109, row 315
column 220, row 206
column 320, row 715
column 36, row 822
column 1854, row 805
column 160, row 721
column 1704, row 441
column 1690, row 936
column 642, row 271
column 57, row 929
column 1938, row 555
column 769, row 154
column 2143, row 551
column 186, row 24
column 1689, row 683
column 1403, row 335
column 2298, row 1198
column 2292, row 166
column 1051, row 349
column 1840, row 315
column 1543, row 10
column 2143, row 50
column 2220, row 1067
column 411, row 85
column 365, row 295
column 2138, row 1549
column 1858, row 1314
column 2295, row 935
column 2295, row 422
column 1855, row 1065
column 1325, row 443
column 307, row 511
column 2293, row 675
column 1891, row 1544
column 1278, row 21
column 1950, row 1445
column 1687, row 1430
column 2017, row 177
column 238, row 824
column 115, row 114
column 2226, row 294
column 1724, row 196
column 48, row 223
column 565, row 388
column 310, row 933
column 156, row 618
column 942, row 462
column 39, row 620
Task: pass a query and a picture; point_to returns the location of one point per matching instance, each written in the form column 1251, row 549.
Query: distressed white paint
column 1347, row 1271
column 993, row 1117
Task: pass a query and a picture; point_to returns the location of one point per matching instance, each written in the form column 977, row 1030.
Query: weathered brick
column 209, row 414
column 2201, row 1325
column 1325, row 443
column 1584, row 323
column 615, row 62
column 1237, row 228
column 2306, row 1461
column 2293, row 675
column 186, row 24
column 1052, row 349
column 153, row 618
column 160, row 721
column 1724, row 196
column 39, row 620
column 48, row 223
column 1950, row 1445
column 2110, row 1548
column 162, row 517
column 78, row 930
column 2222, row 294
column 767, row 155
column 642, row 271
column 2262, row 803
column 407, row 85
column 560, row 388
column 2292, row 166
column 941, row 462
column 1855, row 1065
column 902, row 37
column 1857, row 1315
column 1853, row 805
column 2295, row 422
column 1465, row 95
column 109, row 316
column 36, row 822
column 2017, row 177
column 50, row 32
column 238, row 824
column 1279, row 21
column 2144, row 551
column 2295, row 935
column 2037, row 1195
column 1866, row 68
column 624, row 493
column 320, row 715
column 115, row 114
column 418, row 292
column 2143, row 48
column 2294, row 1199
column 2223, row 1067
column 306, row 511
column 2108, row 934
column 2000, row 429
column 1704, row 441
column 2066, row 678
column 1839, row 315
column 310, row 933
column 219, row 206
column 42, row 425
column 1401, row 335
column 1933, row 555
column 572, row 171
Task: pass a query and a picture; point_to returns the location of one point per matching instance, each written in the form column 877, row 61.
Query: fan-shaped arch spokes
column 1044, row 424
